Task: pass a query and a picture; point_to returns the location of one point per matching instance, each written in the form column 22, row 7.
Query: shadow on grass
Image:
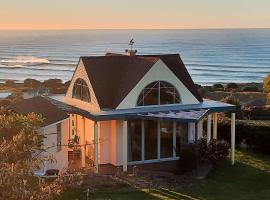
column 249, row 179
column 124, row 194
column 169, row 194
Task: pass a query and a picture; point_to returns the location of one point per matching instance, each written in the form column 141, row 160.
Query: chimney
column 131, row 52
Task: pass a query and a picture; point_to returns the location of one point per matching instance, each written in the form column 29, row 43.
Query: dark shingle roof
column 113, row 76
column 41, row 106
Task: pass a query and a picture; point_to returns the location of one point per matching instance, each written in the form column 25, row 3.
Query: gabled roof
column 40, row 106
column 113, row 76
column 175, row 63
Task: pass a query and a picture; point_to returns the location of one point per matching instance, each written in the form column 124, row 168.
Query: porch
column 152, row 134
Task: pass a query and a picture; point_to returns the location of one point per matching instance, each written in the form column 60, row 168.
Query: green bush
column 218, row 86
column 250, row 89
column 188, row 159
column 257, row 113
column 231, row 86
column 256, row 134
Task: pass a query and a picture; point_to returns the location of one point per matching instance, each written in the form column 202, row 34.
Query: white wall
column 81, row 73
column 158, row 72
column 119, row 143
column 111, row 146
column 106, row 142
column 61, row 157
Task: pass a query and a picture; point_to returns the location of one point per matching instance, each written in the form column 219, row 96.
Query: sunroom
column 148, row 134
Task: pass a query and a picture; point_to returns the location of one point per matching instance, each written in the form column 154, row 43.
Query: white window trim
column 159, row 159
column 154, row 160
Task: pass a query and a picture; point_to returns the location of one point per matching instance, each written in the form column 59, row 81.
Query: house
column 54, row 128
column 138, row 110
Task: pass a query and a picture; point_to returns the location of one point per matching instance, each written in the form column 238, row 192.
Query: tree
column 266, row 86
column 231, row 86
column 32, row 83
column 19, row 141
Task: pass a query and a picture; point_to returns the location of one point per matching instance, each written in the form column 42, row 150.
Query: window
column 158, row 93
column 59, row 137
column 181, row 136
column 135, row 138
column 150, row 139
column 166, row 139
column 81, row 91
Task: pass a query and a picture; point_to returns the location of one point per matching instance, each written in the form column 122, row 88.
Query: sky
column 136, row 14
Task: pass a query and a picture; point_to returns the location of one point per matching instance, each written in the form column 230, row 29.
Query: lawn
column 249, row 179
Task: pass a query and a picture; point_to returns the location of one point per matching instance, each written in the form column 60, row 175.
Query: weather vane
column 131, row 43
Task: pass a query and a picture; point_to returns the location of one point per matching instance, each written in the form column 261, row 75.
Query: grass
column 249, row 179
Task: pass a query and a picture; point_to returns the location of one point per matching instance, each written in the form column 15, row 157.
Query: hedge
column 256, row 134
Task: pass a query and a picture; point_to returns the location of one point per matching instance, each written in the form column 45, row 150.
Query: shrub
column 52, row 83
column 10, row 83
column 231, row 86
column 32, row 83
column 231, row 99
column 67, row 83
column 266, row 84
column 214, row 152
column 218, row 86
column 250, row 89
column 257, row 113
column 188, row 159
column 256, row 134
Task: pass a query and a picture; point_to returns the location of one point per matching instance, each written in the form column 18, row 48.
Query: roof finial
column 131, row 52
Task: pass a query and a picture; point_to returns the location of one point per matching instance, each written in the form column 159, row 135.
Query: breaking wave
column 24, row 60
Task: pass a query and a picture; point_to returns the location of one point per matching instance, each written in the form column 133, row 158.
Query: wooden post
column 174, row 139
column 83, row 147
column 215, row 121
column 208, row 128
column 191, row 132
column 232, row 138
column 95, row 147
column 125, row 152
column 142, row 146
column 158, row 139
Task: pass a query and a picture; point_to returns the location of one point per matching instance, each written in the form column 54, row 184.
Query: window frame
column 143, row 143
column 140, row 99
column 80, row 91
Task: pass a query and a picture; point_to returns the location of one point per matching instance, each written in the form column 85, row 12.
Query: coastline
column 246, row 93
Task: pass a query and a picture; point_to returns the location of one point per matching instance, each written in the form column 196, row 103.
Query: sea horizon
column 211, row 56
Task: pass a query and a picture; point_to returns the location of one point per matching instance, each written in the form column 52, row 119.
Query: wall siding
column 80, row 72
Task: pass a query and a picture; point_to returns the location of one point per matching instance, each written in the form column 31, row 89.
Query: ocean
column 211, row 56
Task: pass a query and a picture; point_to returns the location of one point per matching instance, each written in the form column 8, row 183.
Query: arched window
column 81, row 91
column 158, row 93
